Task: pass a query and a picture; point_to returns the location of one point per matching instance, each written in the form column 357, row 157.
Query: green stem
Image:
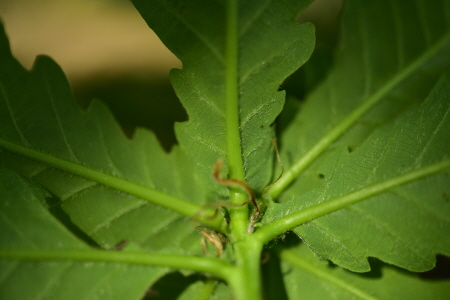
column 239, row 214
column 325, row 276
column 154, row 196
column 290, row 175
column 232, row 97
column 212, row 266
column 288, row 222
column 246, row 279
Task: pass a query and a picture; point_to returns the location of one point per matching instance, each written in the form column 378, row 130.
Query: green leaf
column 309, row 278
column 402, row 170
column 366, row 157
column 345, row 150
column 269, row 48
column 86, row 161
column 26, row 224
column 209, row 289
column 390, row 56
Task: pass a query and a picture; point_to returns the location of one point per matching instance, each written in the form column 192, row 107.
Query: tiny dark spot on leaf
column 321, row 176
column 349, row 149
column 120, row 245
column 261, row 126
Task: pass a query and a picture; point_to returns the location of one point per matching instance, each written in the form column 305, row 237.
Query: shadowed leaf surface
column 26, row 224
column 309, row 278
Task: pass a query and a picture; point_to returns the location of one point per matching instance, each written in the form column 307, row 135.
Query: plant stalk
column 212, row 266
column 239, row 214
column 246, row 278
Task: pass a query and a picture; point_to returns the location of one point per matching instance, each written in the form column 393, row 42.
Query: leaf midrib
column 151, row 195
column 214, row 266
column 283, row 224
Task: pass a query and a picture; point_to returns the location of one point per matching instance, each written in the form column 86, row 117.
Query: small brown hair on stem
column 240, row 184
column 234, row 183
column 216, row 205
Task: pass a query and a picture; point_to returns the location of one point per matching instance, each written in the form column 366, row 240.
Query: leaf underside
column 309, row 278
column 407, row 225
column 27, row 224
column 407, row 130
column 265, row 60
column 38, row 112
column 384, row 225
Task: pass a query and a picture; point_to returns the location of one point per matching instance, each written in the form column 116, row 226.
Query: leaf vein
column 365, row 45
column 325, row 231
column 45, row 292
column 117, row 216
column 18, row 231
column 253, row 19
column 6, row 273
column 255, row 112
column 420, row 205
column 80, row 190
column 269, row 60
column 398, row 34
column 423, row 21
column 108, row 156
column 387, row 230
column 211, row 146
column 161, row 226
column 58, row 119
column 199, row 36
column 432, row 137
column 11, row 114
